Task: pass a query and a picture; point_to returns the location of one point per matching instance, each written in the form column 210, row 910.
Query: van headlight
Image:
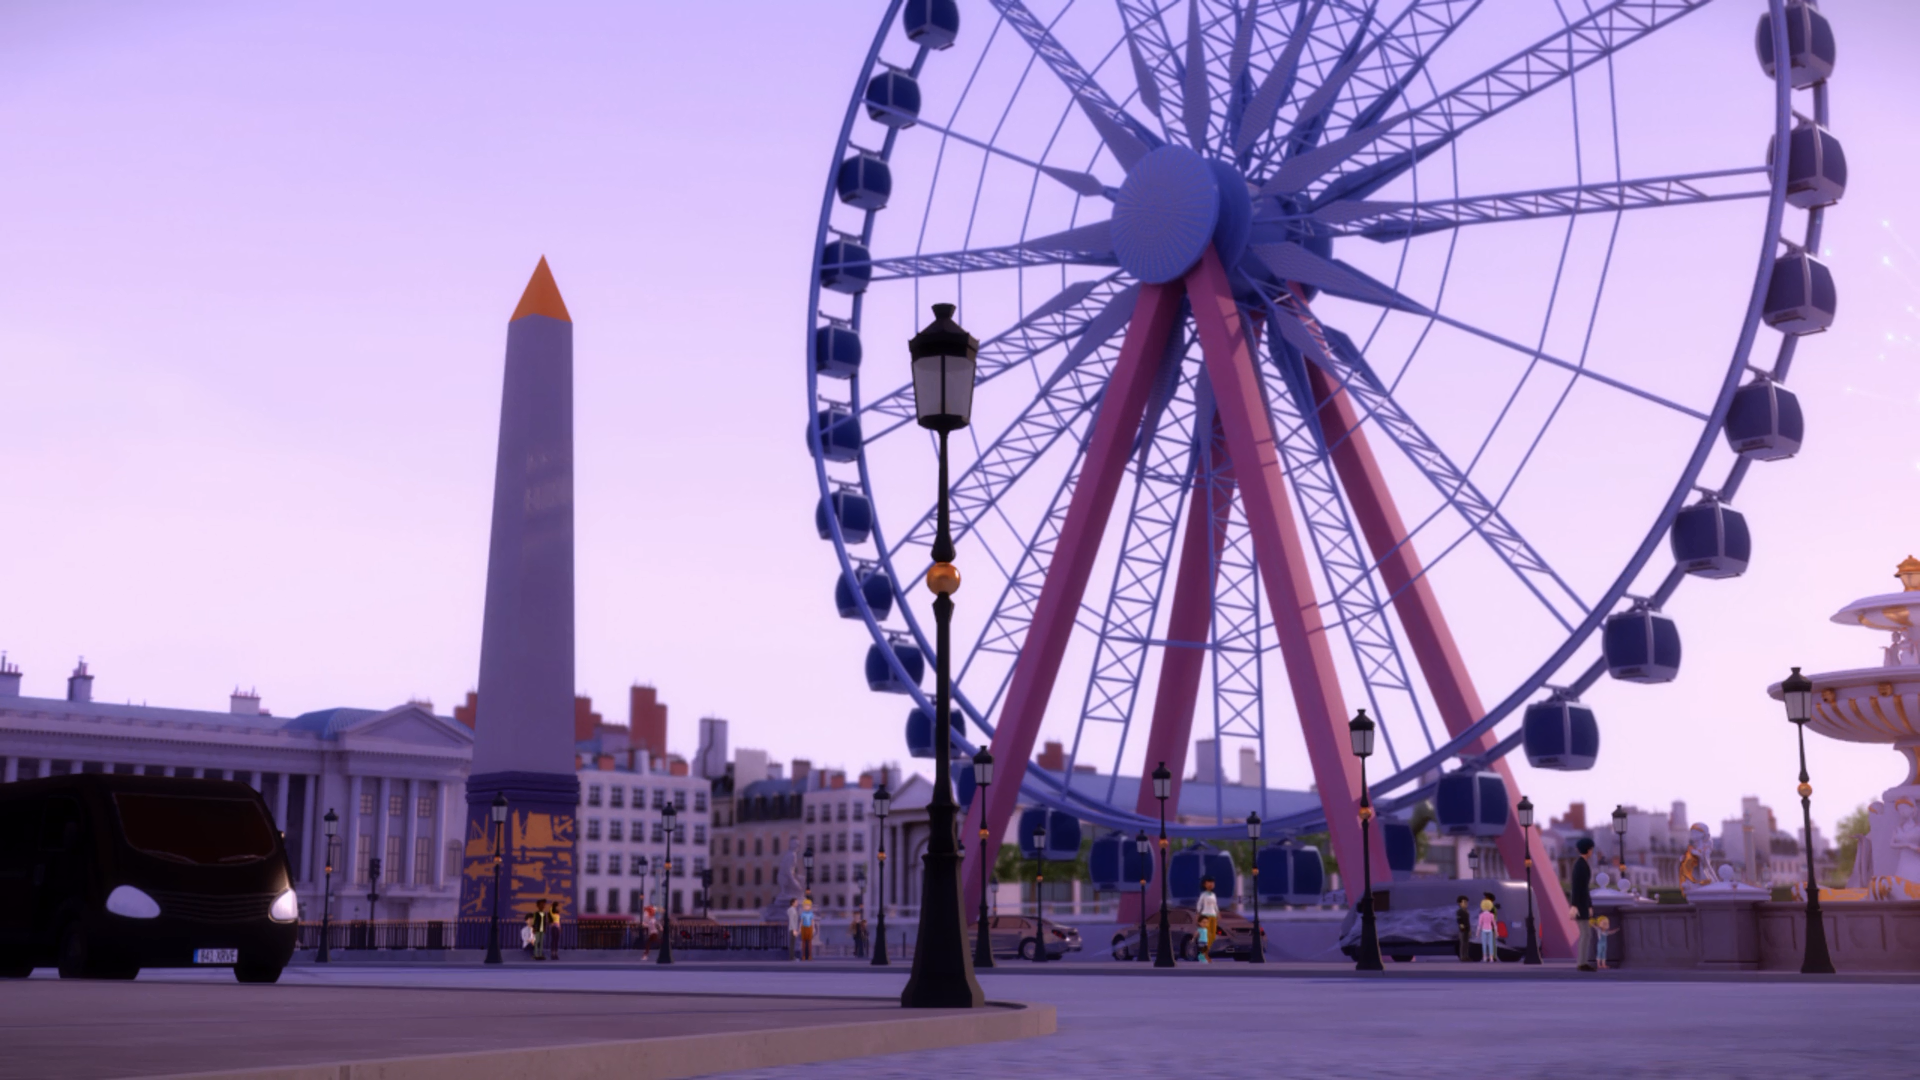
column 131, row 903
column 286, row 907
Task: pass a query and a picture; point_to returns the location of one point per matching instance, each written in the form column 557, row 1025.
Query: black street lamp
column 1162, row 790
column 1040, row 893
column 1360, row 731
column 943, row 358
column 669, row 816
column 373, row 897
column 983, row 776
column 497, row 813
column 806, row 860
column 1524, row 811
column 706, row 893
column 330, row 825
column 1143, row 847
column 881, row 802
column 1253, row 833
column 1620, row 833
column 1797, row 692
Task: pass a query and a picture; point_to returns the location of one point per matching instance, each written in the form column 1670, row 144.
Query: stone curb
column 687, row 1055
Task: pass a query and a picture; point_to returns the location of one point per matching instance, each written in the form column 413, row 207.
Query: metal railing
column 570, row 935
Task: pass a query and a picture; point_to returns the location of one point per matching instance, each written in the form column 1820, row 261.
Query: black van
column 102, row 875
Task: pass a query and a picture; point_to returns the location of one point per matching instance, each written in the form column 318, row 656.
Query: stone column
column 439, row 834
column 314, row 827
column 280, row 802
column 350, row 823
column 380, row 827
column 409, row 849
column 13, row 770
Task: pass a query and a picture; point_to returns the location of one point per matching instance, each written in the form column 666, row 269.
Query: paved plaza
column 1428, row 1020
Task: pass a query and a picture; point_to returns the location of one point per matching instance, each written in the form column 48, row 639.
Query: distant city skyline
column 251, row 335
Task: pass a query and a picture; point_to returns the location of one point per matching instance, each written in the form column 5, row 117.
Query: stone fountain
column 1881, row 705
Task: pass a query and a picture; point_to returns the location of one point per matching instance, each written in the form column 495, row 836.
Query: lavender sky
column 258, row 263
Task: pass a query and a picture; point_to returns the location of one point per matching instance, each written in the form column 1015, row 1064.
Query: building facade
column 622, row 851
column 396, row 778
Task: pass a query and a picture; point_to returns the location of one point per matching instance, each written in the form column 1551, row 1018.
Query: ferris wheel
column 1310, row 377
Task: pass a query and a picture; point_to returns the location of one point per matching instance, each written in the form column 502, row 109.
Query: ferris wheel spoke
column 1062, row 403
column 1296, row 264
column 1335, row 354
column 1086, row 245
column 1386, row 221
column 1081, row 183
column 1090, row 310
column 1400, row 58
column 1256, row 119
column 1125, row 137
column 1364, row 159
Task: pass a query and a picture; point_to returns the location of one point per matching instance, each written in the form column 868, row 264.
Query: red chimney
column 647, row 720
column 1053, row 757
column 586, row 722
column 469, row 712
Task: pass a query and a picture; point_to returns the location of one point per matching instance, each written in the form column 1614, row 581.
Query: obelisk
column 523, row 730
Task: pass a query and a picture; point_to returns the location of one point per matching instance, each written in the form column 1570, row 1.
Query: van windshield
column 195, row 830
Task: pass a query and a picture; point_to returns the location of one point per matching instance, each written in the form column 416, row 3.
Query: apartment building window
column 613, row 901
column 615, row 795
column 809, row 815
column 593, row 862
column 593, row 794
column 592, row 907
column 859, row 841
column 423, row 860
column 366, row 804
column 639, row 830
column 593, row 828
column 758, row 846
column 360, row 858
column 659, row 833
column 680, row 799
column 756, row 875
column 613, row 828
column 840, row 874
column 395, row 869
column 679, row 834
column 859, row 811
column 613, row 863
column 840, row 842
column 699, row 834
column 425, row 809
column 633, row 900
column 659, row 798
column 840, row 814
column 639, row 867
column 700, row 802
column 396, row 805
column 724, row 876
column 726, row 845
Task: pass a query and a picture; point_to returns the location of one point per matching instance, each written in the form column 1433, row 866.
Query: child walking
column 1602, row 930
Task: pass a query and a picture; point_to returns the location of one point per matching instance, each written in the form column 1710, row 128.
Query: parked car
column 1234, row 943
column 102, row 875
column 1416, row 918
column 1016, row 935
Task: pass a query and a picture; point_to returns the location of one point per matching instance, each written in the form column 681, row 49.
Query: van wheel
column 257, row 973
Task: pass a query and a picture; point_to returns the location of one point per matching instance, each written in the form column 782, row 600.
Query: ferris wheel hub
column 1165, row 214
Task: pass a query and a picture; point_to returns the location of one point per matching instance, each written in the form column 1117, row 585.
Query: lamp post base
column 942, row 965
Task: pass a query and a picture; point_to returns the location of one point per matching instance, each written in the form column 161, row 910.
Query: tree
column 1853, row 829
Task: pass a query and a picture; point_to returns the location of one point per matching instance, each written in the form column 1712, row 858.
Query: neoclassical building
column 396, row 778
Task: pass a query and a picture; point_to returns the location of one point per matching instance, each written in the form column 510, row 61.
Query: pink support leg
column 1282, row 560
column 1118, row 420
column 1185, row 660
column 1426, row 626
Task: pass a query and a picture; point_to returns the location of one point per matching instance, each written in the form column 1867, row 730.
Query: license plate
column 216, row 956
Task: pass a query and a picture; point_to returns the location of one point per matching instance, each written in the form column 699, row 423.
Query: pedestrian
column 542, row 920
column 649, row 929
column 1489, row 951
column 553, row 933
column 1209, row 929
column 526, row 936
column 1601, row 932
column 1583, row 901
column 859, row 932
column 793, row 929
column 1463, row 927
column 806, row 929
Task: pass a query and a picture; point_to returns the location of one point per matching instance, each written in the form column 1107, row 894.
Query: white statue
column 1906, row 840
column 1696, row 866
